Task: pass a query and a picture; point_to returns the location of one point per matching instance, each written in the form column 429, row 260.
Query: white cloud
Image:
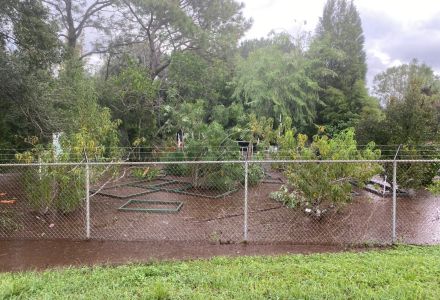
column 281, row 15
column 395, row 30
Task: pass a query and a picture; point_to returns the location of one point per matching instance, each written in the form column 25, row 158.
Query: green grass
column 401, row 273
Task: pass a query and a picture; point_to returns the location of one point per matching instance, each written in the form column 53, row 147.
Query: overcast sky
column 395, row 30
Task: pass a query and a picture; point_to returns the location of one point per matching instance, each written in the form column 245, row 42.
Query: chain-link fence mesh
column 44, row 201
column 176, row 202
column 307, row 203
column 303, row 202
column 418, row 210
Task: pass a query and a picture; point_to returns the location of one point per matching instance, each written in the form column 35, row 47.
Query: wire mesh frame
column 175, row 206
column 86, row 166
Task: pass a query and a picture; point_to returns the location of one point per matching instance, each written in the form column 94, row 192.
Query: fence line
column 228, row 216
column 138, row 163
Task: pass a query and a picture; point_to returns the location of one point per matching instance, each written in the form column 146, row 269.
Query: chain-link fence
column 303, row 202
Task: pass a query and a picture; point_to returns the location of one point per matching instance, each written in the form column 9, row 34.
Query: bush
column 176, row 169
column 146, row 173
column 71, row 185
column 414, row 175
column 60, row 187
column 321, row 186
column 289, row 199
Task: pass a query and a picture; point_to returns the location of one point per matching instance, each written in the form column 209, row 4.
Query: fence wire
column 222, row 202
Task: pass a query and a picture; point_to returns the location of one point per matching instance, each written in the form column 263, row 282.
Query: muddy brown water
column 216, row 224
column 25, row 255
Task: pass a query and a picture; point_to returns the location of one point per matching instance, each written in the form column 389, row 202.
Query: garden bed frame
column 272, row 180
column 177, row 206
column 137, row 184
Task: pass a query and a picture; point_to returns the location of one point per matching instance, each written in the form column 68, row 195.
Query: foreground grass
column 401, row 273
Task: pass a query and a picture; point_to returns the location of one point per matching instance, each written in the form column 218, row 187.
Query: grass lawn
column 401, row 273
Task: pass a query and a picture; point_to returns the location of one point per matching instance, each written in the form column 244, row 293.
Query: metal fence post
column 87, row 201
column 394, row 237
column 245, row 223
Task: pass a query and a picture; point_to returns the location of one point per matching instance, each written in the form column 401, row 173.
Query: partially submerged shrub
column 176, row 169
column 435, row 186
column 289, row 199
column 321, row 186
column 148, row 173
column 414, row 175
column 61, row 187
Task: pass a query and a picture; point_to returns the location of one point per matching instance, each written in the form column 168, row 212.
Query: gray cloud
column 387, row 42
column 376, row 24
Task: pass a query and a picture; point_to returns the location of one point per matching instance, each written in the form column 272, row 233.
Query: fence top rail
column 122, row 163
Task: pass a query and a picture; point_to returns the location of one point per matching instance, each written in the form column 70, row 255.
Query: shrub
column 176, row 169
column 321, row 186
column 290, row 199
column 414, row 175
column 146, row 173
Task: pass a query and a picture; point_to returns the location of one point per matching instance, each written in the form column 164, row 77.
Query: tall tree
column 168, row 26
column 28, row 50
column 411, row 93
column 274, row 82
column 74, row 16
column 392, row 85
column 338, row 52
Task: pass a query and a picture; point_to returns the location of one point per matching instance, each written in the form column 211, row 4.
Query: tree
column 28, row 51
column 74, row 16
column 411, row 96
column 339, row 59
column 276, row 84
column 131, row 96
column 191, row 76
column 210, row 27
column 319, row 187
column 88, row 134
column 392, row 85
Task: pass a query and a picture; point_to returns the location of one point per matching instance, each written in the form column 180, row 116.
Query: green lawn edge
column 404, row 272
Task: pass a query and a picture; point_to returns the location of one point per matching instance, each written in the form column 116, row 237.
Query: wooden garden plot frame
column 176, row 204
column 144, row 183
column 271, row 180
column 147, row 191
column 184, row 189
column 136, row 184
column 163, row 187
column 222, row 195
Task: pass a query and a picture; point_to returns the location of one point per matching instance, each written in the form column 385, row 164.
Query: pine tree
column 338, row 52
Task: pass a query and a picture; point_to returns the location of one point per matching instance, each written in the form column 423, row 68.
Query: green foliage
column 321, row 186
column 207, row 143
column 212, row 143
column 411, row 94
column 133, row 97
column 398, row 273
column 148, row 173
column 176, row 169
column 339, row 65
column 391, row 85
column 273, row 83
column 28, row 52
column 51, row 187
column 211, row 27
column 415, row 119
column 289, row 199
column 255, row 174
column 193, row 77
column 88, row 128
column 415, row 175
column 371, row 124
column 435, row 187
column 89, row 134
